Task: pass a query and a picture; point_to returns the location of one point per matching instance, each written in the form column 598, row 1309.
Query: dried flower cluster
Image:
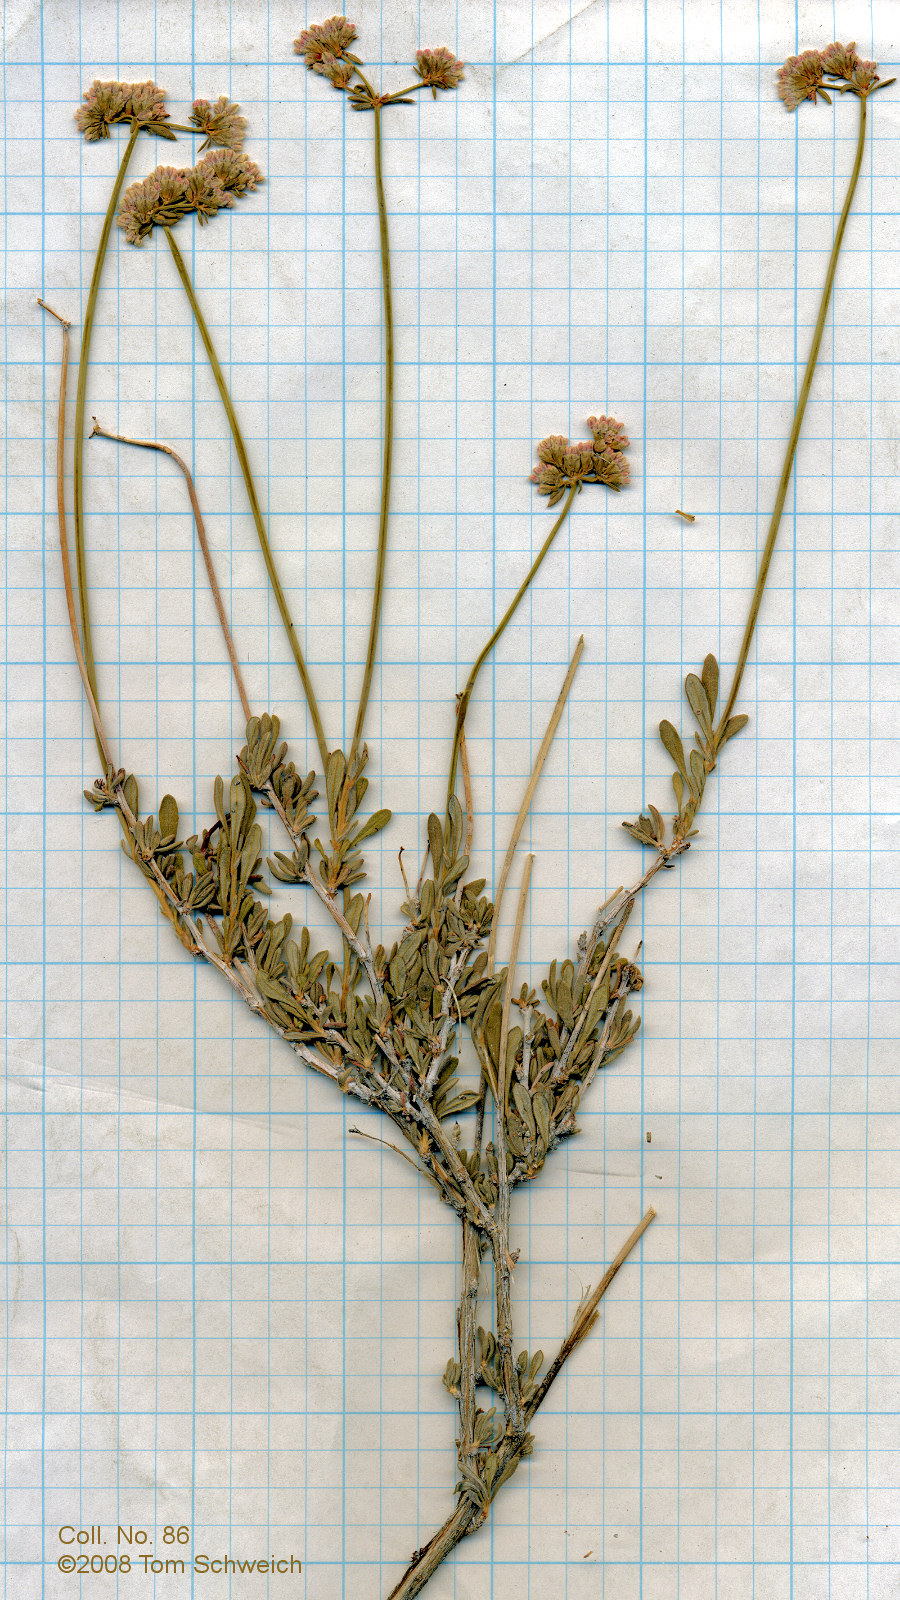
column 566, row 466
column 323, row 46
column 106, row 103
column 324, row 43
column 222, row 123
column 802, row 77
column 170, row 193
column 439, row 69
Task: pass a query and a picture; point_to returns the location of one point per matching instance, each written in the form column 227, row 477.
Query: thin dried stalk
column 528, row 796
column 100, row 432
column 509, row 613
column 80, row 396
column 250, row 486
column 586, row 1315
column 84, row 674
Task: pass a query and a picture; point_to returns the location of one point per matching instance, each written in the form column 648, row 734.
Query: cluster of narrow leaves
column 691, row 768
column 487, row 1468
column 385, row 1021
column 488, row 1368
column 552, row 1056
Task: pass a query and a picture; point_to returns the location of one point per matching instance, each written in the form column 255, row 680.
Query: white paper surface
column 225, row 1312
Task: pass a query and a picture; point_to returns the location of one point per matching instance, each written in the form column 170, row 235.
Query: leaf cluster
column 691, row 768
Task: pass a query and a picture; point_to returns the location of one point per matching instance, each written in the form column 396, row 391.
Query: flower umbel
column 565, row 466
column 106, row 103
column 839, row 60
column 864, row 76
column 234, row 171
column 222, row 123
column 324, row 43
column 439, row 69
column 170, row 193
column 800, row 78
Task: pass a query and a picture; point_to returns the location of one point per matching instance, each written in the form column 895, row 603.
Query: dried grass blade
column 527, row 798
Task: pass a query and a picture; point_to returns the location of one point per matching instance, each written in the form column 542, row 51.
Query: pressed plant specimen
column 385, row 1023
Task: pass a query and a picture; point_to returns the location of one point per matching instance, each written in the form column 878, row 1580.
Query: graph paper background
column 224, row 1311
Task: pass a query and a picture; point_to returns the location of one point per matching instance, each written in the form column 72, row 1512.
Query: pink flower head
column 608, row 432
column 171, row 193
column 322, row 40
column 552, row 449
column 106, row 103
column 205, row 194
column 233, row 171
column 439, row 69
column 864, row 76
column 566, row 466
column 160, row 199
column 339, row 72
column 222, row 123
column 799, row 78
column 611, row 468
column 839, row 60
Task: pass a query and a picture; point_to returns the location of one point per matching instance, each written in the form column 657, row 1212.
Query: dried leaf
column 698, row 702
column 168, row 817
column 671, row 739
column 377, row 821
column 733, row 726
column 710, row 679
column 436, row 842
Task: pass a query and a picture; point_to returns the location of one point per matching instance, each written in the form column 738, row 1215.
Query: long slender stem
column 465, row 697
column 381, row 557
column 99, row 731
column 797, row 423
column 243, row 459
column 527, row 798
column 166, row 449
column 80, row 395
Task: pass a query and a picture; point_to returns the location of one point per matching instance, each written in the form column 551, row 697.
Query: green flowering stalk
column 324, row 48
column 142, row 106
column 563, row 469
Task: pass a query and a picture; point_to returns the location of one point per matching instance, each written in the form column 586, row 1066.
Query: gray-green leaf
column 671, row 739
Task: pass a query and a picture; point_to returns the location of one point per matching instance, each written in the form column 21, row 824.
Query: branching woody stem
column 468, row 1517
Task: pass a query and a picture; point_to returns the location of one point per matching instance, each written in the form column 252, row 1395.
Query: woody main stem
column 797, row 423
